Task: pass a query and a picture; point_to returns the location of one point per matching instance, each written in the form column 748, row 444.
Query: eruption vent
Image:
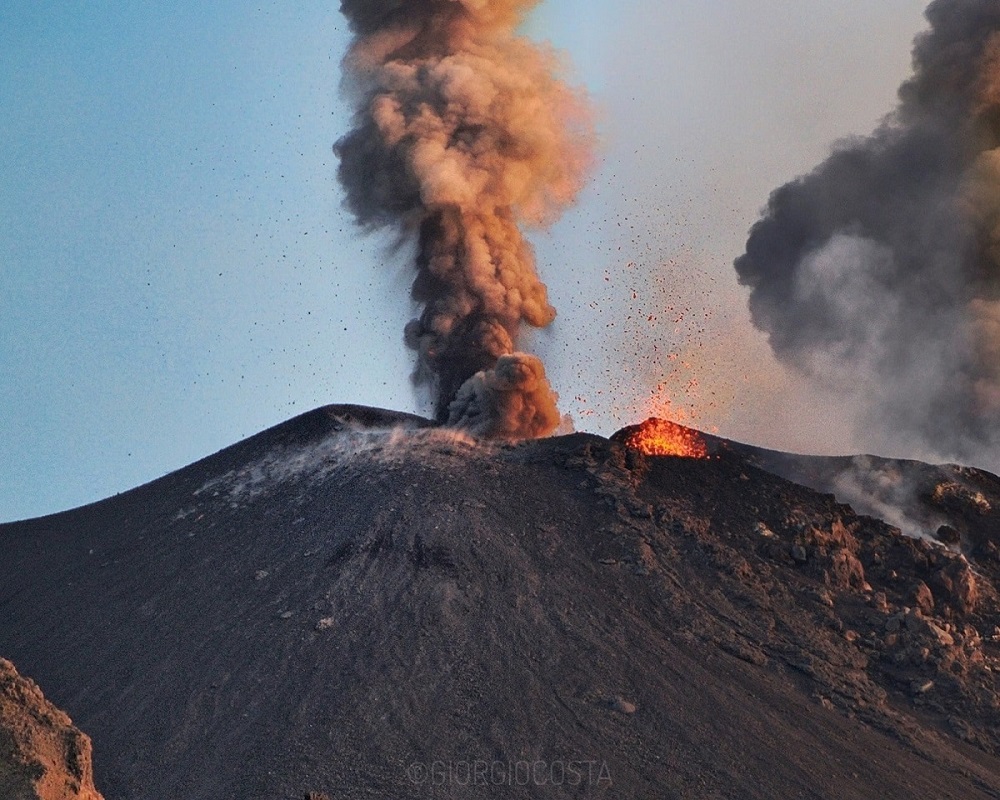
column 462, row 132
column 880, row 270
column 661, row 437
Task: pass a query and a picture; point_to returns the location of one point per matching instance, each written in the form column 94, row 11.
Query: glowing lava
column 660, row 437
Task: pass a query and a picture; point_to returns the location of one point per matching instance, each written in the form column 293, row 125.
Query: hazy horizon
column 180, row 272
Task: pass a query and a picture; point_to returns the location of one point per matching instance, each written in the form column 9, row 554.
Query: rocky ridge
column 42, row 755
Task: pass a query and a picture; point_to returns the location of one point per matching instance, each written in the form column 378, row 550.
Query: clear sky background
column 178, row 273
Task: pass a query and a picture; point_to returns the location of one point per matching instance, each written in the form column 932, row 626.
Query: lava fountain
column 661, row 437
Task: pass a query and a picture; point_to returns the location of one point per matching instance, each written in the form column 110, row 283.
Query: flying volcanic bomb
column 462, row 133
column 879, row 271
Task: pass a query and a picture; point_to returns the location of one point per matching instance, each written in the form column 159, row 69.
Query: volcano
column 360, row 604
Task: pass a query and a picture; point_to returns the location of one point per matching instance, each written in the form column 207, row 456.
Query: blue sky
column 178, row 272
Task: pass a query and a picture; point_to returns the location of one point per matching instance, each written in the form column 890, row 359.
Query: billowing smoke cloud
column 462, row 133
column 880, row 271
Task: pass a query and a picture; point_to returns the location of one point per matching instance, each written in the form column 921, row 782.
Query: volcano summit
column 357, row 603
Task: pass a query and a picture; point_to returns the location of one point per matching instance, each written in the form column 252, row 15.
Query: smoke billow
column 880, row 270
column 462, row 133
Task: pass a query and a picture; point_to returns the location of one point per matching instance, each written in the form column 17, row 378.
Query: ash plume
column 879, row 272
column 462, row 133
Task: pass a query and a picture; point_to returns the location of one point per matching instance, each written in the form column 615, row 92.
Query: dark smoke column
column 462, row 132
column 880, row 270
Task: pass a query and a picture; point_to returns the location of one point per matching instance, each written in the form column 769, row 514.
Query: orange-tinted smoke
column 462, row 134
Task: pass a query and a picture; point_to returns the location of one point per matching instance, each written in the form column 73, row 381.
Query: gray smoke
column 879, row 272
column 463, row 133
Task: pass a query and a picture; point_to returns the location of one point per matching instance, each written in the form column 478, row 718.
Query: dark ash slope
column 326, row 604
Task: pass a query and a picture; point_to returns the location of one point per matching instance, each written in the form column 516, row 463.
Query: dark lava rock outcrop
column 42, row 755
column 358, row 605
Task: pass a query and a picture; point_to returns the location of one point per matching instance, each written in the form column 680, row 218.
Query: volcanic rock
column 42, row 755
column 945, row 503
column 922, row 597
column 561, row 617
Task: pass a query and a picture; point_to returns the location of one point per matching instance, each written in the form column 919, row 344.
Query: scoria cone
column 357, row 604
